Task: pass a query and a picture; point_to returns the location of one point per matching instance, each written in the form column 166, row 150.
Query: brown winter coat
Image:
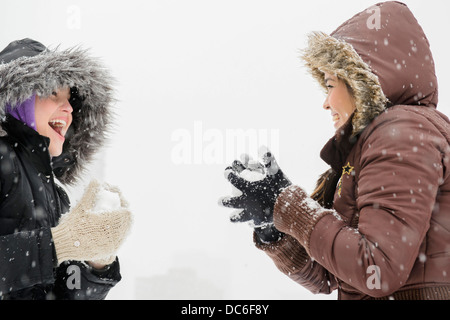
column 385, row 230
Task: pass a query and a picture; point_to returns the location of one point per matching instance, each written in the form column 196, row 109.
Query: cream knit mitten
column 84, row 235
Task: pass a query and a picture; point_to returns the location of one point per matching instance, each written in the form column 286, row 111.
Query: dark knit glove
column 258, row 197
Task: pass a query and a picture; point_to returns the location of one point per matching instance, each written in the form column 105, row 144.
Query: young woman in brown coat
column 378, row 223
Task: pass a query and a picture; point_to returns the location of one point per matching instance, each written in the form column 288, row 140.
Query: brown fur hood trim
column 327, row 54
column 383, row 55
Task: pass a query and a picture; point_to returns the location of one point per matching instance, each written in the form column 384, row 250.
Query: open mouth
column 58, row 125
column 335, row 118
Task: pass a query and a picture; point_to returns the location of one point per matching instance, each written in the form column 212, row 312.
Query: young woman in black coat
column 55, row 112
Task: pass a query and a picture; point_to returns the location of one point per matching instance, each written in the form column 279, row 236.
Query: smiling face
column 339, row 100
column 53, row 118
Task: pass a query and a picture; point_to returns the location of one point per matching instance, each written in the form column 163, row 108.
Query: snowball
column 249, row 175
column 106, row 201
column 252, row 175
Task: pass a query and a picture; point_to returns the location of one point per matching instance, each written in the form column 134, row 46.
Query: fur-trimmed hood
column 383, row 55
column 28, row 68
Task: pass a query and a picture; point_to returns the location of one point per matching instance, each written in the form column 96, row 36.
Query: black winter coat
column 30, row 200
column 30, row 204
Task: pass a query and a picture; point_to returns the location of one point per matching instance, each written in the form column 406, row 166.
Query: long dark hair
column 325, row 188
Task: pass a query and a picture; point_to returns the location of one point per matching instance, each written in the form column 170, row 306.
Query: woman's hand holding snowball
column 259, row 183
column 90, row 232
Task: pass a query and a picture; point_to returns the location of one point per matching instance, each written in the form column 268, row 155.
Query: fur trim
column 50, row 70
column 328, row 54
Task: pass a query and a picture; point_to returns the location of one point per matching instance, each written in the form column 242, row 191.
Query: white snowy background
column 192, row 77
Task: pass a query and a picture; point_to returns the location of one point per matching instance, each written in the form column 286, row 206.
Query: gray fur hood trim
column 50, row 70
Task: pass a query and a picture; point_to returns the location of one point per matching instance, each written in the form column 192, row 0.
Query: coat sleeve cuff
column 287, row 254
column 61, row 242
column 296, row 214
